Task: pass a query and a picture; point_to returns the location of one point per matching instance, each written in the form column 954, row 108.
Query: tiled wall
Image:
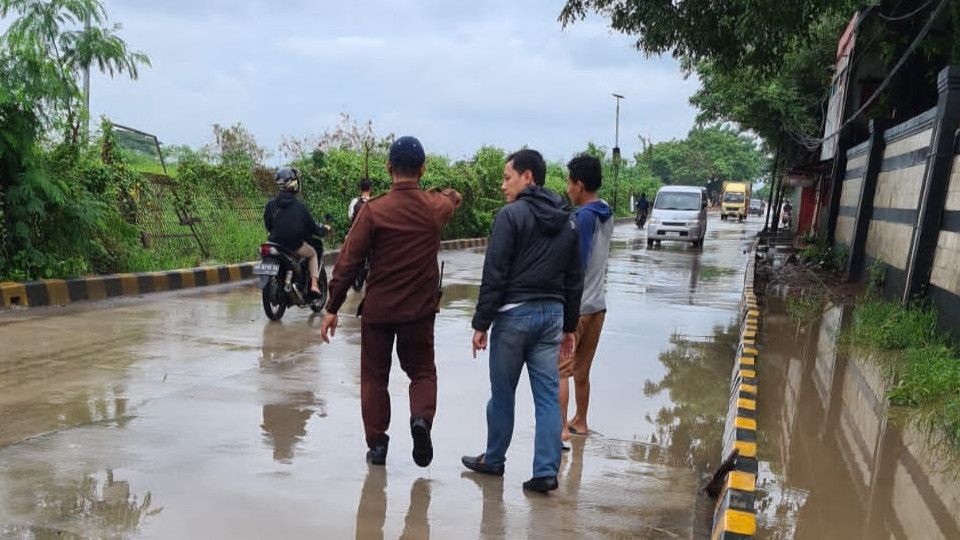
column 897, row 198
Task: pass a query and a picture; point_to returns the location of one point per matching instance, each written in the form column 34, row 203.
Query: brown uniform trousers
column 415, row 350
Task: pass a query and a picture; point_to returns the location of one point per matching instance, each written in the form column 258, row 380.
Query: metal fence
column 185, row 226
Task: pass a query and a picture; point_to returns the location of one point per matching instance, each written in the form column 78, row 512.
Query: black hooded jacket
column 533, row 254
column 289, row 222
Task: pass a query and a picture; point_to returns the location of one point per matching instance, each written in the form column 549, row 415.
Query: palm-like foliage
column 47, row 48
column 48, row 218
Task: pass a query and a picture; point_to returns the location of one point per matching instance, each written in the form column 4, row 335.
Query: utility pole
column 86, row 89
column 616, row 154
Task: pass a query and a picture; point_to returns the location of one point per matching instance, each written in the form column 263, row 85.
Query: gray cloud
column 457, row 74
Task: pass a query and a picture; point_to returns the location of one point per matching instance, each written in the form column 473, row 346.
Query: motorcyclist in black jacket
column 290, row 223
column 643, row 209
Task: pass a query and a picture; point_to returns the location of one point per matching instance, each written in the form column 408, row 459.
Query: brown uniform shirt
column 400, row 233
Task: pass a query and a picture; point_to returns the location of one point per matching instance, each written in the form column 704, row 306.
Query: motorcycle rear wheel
column 273, row 310
column 316, row 305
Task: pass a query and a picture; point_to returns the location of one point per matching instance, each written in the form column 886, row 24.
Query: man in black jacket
column 530, row 294
column 290, row 224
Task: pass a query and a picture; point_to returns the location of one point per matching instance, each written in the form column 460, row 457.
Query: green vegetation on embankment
column 924, row 362
column 76, row 208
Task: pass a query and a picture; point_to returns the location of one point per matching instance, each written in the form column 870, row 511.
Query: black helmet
column 288, row 179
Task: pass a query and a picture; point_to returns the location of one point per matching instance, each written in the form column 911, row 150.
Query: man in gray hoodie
column 595, row 225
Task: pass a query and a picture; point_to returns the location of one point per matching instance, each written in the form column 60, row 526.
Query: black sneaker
column 476, row 464
column 422, row 445
column 541, row 484
column 377, row 455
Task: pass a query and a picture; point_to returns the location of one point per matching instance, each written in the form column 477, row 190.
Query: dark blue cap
column 407, row 152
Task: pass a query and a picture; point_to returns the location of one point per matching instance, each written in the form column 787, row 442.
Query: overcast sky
column 456, row 74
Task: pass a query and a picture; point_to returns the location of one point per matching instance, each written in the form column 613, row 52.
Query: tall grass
column 141, row 163
column 889, row 326
column 925, row 362
column 234, row 239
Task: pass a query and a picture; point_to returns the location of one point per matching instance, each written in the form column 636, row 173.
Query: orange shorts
column 587, row 338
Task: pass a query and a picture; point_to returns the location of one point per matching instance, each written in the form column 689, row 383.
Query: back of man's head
column 529, row 160
column 406, row 157
column 366, row 185
column 586, row 170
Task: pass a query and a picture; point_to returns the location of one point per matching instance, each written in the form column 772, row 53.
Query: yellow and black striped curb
column 463, row 243
column 735, row 515
column 53, row 292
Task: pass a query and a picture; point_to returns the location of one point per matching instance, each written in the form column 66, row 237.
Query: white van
column 679, row 213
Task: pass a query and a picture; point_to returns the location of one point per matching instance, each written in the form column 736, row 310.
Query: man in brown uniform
column 400, row 233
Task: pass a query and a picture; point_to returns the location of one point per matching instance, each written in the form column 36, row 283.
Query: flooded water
column 837, row 460
column 190, row 416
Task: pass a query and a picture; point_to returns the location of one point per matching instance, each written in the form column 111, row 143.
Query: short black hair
column 366, row 184
column 587, row 170
column 406, row 157
column 405, row 171
column 529, row 160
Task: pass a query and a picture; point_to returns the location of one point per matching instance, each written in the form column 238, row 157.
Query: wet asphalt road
column 190, row 416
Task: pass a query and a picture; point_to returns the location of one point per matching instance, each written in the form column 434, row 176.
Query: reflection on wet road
column 839, row 461
column 188, row 415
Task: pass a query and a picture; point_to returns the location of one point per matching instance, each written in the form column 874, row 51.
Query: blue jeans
column 528, row 334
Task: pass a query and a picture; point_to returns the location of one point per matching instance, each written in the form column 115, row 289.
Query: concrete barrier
column 58, row 292
column 52, row 292
column 734, row 515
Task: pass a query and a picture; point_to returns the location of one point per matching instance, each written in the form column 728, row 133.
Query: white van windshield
column 677, row 200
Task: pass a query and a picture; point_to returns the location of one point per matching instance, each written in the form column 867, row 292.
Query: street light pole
column 86, row 90
column 616, row 155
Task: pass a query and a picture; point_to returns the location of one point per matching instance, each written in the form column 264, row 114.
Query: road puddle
column 837, row 459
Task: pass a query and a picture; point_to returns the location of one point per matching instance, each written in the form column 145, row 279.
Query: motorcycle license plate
column 266, row 269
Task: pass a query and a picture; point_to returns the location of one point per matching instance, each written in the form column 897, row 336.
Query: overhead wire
column 812, row 143
column 876, row 94
column 908, row 15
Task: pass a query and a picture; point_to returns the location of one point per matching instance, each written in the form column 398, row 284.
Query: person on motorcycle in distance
column 290, row 223
column 643, row 207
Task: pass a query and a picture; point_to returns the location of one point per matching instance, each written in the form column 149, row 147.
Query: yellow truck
column 735, row 202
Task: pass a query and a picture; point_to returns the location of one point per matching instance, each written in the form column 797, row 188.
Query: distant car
column 756, row 207
column 679, row 213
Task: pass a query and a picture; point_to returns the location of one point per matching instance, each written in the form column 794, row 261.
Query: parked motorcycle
column 285, row 279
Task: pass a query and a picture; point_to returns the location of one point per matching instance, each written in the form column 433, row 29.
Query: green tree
column 51, row 218
column 707, row 157
column 763, row 192
column 235, row 146
column 756, row 33
column 766, row 65
column 630, row 178
column 781, row 103
column 45, row 51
